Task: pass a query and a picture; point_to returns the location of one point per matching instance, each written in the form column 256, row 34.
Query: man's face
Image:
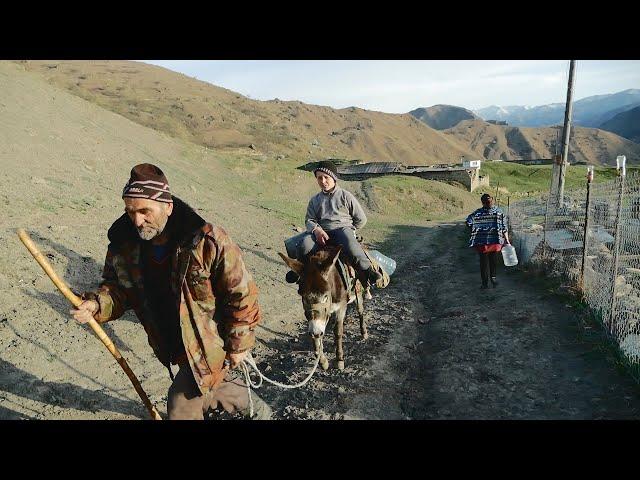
column 148, row 216
column 325, row 182
column 488, row 202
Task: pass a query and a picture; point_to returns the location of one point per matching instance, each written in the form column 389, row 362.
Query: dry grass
column 215, row 117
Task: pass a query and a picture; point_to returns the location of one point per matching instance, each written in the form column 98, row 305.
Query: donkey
column 324, row 295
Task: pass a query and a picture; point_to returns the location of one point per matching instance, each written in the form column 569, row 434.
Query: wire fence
column 590, row 241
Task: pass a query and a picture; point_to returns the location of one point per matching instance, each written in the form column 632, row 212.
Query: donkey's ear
column 334, row 257
column 293, row 264
column 330, row 261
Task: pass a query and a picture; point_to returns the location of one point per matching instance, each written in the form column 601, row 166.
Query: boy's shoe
column 484, row 286
column 494, row 282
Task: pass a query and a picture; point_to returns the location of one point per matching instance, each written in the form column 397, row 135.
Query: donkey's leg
column 338, row 330
column 360, row 305
column 324, row 362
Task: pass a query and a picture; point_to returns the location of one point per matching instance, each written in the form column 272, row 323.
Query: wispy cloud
column 400, row 86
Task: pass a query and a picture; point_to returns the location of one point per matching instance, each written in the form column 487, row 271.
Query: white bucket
column 509, row 256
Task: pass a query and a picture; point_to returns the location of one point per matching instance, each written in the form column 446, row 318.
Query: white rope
column 250, row 362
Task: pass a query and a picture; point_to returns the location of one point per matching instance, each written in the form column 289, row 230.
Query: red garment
column 494, row 247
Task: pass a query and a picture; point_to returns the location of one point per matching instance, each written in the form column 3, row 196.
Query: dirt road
column 441, row 348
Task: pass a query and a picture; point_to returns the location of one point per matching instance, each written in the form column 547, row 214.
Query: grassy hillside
column 415, row 198
column 534, row 179
column 215, row 117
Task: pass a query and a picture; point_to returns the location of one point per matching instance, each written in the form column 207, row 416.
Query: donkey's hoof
column 367, row 294
column 365, row 335
column 324, row 363
column 340, row 364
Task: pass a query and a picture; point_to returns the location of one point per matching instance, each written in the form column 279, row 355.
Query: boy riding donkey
column 324, row 284
column 333, row 215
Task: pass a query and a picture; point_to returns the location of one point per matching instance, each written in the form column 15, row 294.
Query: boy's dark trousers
column 346, row 237
column 488, row 262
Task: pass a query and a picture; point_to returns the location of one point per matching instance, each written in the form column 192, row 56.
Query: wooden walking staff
column 95, row 326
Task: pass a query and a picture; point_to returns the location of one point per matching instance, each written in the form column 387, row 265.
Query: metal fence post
column 586, row 227
column 551, row 207
column 621, row 160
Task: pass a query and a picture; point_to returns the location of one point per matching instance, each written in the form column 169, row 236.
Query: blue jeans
column 346, row 237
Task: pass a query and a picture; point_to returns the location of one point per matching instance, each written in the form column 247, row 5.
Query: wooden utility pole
column 567, row 131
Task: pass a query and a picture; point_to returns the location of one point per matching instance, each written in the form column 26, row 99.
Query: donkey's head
column 319, row 287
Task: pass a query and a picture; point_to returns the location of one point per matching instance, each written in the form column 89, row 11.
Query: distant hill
column 201, row 113
column 588, row 112
column 517, row 115
column 215, row 117
column 508, row 143
column 442, row 117
column 625, row 124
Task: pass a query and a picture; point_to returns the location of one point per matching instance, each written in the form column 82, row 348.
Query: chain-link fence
column 591, row 242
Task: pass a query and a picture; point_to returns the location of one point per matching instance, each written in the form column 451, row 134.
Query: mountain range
column 625, row 124
column 591, row 111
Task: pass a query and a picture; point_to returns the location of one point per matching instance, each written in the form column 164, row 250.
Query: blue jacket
column 488, row 226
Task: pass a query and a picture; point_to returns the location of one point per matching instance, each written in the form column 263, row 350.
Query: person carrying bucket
column 488, row 234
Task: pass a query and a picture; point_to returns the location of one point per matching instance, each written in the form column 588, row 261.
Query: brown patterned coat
column 218, row 297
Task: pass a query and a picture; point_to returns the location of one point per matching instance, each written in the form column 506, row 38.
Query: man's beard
column 151, row 232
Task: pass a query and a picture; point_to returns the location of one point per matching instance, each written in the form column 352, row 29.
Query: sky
column 399, row 86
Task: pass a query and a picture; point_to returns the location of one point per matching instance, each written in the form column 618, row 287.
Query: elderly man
column 488, row 233
column 333, row 215
column 187, row 283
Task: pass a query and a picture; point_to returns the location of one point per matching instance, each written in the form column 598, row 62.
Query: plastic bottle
column 387, row 264
column 509, row 256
